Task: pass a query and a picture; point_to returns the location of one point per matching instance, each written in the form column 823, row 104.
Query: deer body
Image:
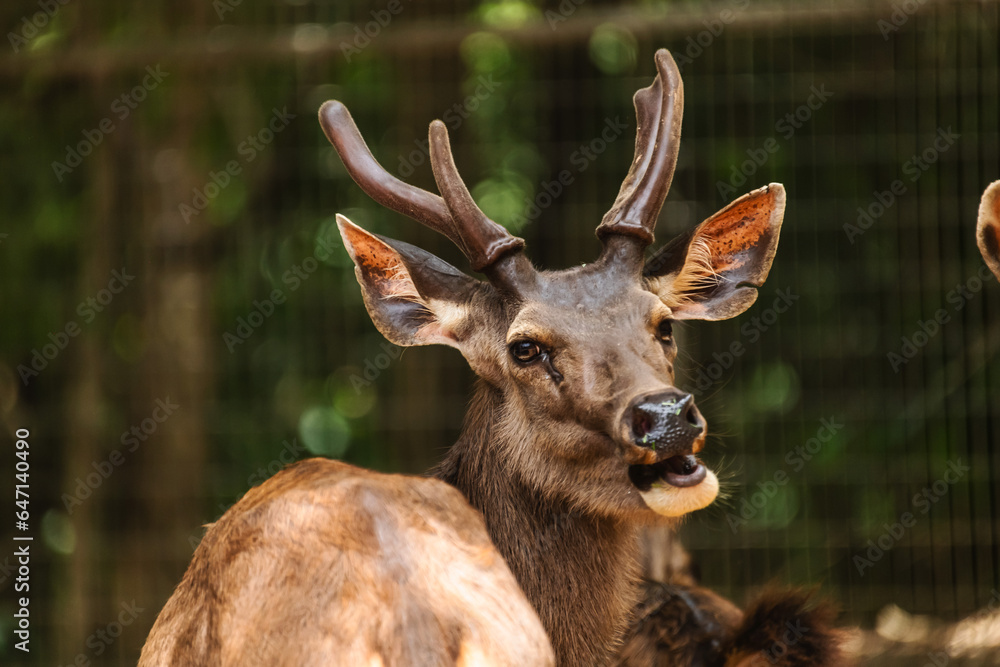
column 575, row 438
column 326, row 564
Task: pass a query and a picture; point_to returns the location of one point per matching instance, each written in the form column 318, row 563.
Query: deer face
column 590, row 376
column 583, row 357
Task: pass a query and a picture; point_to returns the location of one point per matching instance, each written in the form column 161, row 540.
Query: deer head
column 988, row 229
column 583, row 358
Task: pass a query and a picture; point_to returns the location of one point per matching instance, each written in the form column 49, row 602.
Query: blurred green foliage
column 522, row 95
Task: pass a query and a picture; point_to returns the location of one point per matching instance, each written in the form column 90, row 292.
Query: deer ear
column 988, row 230
column 713, row 271
column 413, row 297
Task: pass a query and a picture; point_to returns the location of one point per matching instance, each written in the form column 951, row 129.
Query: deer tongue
column 681, row 471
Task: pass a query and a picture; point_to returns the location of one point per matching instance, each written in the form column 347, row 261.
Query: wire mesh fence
column 170, row 198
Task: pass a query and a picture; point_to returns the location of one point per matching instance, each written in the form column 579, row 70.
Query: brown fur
column 326, row 560
column 988, row 228
column 545, row 461
column 578, row 568
column 787, row 629
column 689, row 626
column 678, row 625
column 543, row 457
column 327, row 564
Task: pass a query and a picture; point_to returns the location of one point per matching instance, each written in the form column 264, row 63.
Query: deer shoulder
column 328, row 564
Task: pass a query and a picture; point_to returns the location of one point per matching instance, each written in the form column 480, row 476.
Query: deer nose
column 667, row 421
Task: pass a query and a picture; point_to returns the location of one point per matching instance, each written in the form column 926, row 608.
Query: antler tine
column 658, row 111
column 456, row 216
column 424, row 207
column 483, row 241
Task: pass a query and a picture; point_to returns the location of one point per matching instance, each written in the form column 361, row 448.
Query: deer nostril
column 642, row 422
column 691, row 414
column 665, row 419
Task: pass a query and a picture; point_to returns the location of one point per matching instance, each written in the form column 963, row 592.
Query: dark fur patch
column 787, row 628
column 679, row 625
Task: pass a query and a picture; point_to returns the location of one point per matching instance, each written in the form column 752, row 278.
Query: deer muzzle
column 668, row 421
column 665, row 431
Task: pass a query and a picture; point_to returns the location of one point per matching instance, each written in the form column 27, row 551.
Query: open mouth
column 679, row 471
column 675, row 486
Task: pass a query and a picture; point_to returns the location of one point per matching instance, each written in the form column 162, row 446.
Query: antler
column 658, row 111
column 485, row 241
column 456, row 216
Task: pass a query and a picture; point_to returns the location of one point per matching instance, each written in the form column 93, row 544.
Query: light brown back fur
column 347, row 567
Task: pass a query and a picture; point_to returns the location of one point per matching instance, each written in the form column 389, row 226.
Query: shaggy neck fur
column 580, row 572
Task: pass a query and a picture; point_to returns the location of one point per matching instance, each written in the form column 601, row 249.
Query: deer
column 988, row 227
column 522, row 545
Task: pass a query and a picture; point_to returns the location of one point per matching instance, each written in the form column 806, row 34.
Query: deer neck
column 580, row 572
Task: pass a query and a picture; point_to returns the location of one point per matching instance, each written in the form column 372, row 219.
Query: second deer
column 988, row 227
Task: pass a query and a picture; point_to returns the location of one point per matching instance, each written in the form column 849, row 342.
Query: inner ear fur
column 412, row 296
column 713, row 271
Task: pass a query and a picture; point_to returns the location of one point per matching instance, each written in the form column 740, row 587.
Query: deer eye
column 525, row 351
column 665, row 331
